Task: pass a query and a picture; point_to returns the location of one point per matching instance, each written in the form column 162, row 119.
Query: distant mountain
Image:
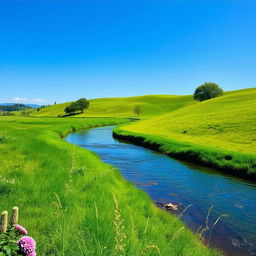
column 29, row 105
column 33, row 105
column 14, row 107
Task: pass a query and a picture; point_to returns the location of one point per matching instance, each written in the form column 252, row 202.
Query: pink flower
column 27, row 246
column 21, row 229
column 32, row 254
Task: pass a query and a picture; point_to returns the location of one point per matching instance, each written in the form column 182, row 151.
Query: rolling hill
column 223, row 128
column 150, row 105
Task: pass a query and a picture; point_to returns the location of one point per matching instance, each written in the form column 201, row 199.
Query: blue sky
column 61, row 51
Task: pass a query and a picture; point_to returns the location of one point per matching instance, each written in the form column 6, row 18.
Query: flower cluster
column 27, row 246
column 13, row 237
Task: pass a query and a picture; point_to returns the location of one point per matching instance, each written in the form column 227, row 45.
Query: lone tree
column 137, row 110
column 83, row 104
column 207, row 91
column 79, row 105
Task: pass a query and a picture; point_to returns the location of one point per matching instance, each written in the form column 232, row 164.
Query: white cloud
column 20, row 99
column 38, row 100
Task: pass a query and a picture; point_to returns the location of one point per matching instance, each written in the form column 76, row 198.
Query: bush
column 207, row 91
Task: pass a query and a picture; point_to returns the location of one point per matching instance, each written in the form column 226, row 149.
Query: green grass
column 219, row 132
column 150, row 105
column 66, row 196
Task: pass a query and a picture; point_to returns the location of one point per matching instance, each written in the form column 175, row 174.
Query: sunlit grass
column 219, row 132
column 73, row 204
column 123, row 107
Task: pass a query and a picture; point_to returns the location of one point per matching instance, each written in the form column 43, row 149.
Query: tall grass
column 65, row 194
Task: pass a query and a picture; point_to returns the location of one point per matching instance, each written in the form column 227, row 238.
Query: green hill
column 123, row 107
column 220, row 131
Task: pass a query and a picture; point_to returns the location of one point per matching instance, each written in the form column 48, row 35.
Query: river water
column 201, row 190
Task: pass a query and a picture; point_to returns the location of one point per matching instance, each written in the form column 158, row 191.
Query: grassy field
column 219, row 132
column 150, row 105
column 73, row 204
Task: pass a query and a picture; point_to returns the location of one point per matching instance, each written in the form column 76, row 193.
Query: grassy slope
column 212, row 131
column 123, row 107
column 37, row 165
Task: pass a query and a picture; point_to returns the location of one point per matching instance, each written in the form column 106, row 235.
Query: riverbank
column 187, row 186
column 240, row 165
column 219, row 133
column 73, row 203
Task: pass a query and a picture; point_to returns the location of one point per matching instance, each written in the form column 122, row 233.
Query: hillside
column 123, row 107
column 224, row 125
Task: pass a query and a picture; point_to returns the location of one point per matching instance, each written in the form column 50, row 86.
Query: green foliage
column 79, row 105
column 83, row 104
column 8, row 243
column 72, row 201
column 207, row 91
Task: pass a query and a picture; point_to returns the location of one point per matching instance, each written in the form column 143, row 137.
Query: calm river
column 168, row 180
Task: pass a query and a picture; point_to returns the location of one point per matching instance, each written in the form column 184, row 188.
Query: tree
column 137, row 110
column 71, row 109
column 82, row 104
column 207, row 91
column 79, row 105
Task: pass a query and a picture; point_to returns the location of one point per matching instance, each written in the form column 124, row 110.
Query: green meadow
column 150, row 105
column 74, row 204
column 219, row 132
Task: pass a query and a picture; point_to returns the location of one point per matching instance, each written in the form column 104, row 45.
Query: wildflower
column 3, row 221
column 15, row 215
column 32, row 254
column 27, row 246
column 21, row 229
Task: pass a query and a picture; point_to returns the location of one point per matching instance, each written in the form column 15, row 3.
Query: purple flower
column 32, row 254
column 27, row 246
column 21, row 229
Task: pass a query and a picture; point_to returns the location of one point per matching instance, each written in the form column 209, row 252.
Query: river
column 199, row 190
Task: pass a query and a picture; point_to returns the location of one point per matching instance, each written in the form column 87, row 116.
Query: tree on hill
column 79, row 105
column 83, row 104
column 207, row 91
column 137, row 110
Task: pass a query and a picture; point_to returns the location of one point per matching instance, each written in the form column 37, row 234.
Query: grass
column 219, row 132
column 74, row 204
column 150, row 105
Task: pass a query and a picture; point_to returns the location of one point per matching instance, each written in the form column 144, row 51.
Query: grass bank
column 219, row 133
column 74, row 204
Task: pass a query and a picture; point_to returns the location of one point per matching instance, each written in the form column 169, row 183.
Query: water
column 168, row 180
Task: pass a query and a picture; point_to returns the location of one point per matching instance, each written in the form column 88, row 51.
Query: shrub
column 207, row 91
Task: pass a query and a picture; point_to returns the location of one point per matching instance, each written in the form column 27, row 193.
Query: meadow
column 74, row 204
column 219, row 132
column 150, row 105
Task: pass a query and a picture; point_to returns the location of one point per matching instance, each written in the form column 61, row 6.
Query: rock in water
column 171, row 206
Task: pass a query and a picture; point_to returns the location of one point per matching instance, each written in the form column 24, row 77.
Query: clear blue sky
column 60, row 51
